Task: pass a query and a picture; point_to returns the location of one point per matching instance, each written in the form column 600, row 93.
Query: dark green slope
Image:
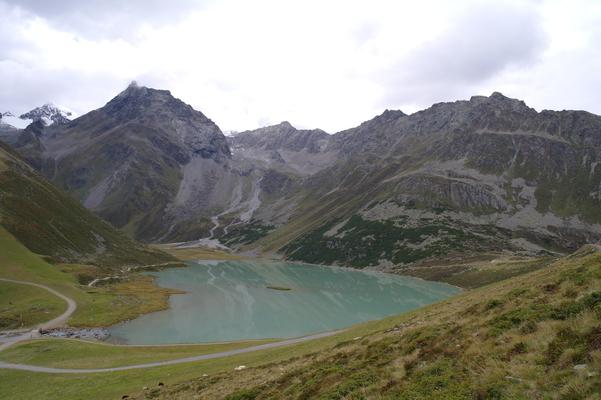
column 51, row 223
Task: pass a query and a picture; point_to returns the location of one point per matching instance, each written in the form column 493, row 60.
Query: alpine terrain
column 470, row 177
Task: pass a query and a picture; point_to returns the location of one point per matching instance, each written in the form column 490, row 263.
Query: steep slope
column 51, row 223
column 159, row 170
column 488, row 174
column 456, row 180
column 536, row 336
column 284, row 146
column 49, row 114
column 8, row 133
column 126, row 161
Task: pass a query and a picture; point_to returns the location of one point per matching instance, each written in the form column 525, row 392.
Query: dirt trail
column 33, row 332
column 72, row 306
column 34, row 368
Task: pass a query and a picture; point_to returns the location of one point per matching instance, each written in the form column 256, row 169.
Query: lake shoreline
column 316, row 298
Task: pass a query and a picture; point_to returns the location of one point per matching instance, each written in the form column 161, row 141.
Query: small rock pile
column 77, row 333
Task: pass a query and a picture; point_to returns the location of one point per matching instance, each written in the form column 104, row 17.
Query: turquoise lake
column 231, row 300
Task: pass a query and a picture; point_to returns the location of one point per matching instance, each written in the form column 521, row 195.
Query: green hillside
column 51, row 223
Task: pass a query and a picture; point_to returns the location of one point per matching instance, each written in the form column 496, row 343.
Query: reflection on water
column 231, row 300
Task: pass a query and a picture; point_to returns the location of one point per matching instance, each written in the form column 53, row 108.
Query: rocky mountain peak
column 283, row 136
column 285, row 124
column 160, row 110
column 501, row 102
column 49, row 114
column 390, row 115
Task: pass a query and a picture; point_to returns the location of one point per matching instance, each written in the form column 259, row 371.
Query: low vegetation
column 245, row 234
column 196, row 253
column 360, row 243
column 23, row 306
column 96, row 306
column 49, row 222
column 531, row 336
column 61, row 353
column 536, row 336
column 471, row 274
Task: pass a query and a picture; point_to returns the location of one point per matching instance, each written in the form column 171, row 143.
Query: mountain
column 141, row 162
column 301, row 150
column 457, row 179
column 49, row 114
column 51, row 223
column 398, row 192
column 8, row 133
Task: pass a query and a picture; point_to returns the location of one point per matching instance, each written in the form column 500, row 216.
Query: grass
column 62, row 353
column 474, row 274
column 517, row 339
column 197, row 253
column 120, row 301
column 360, row 242
column 50, row 222
column 246, row 234
column 95, row 306
column 24, row 306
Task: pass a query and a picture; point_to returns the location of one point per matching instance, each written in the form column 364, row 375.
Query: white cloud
column 317, row 64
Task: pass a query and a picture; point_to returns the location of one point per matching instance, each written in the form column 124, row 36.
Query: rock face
column 49, row 114
column 302, row 151
column 470, row 176
column 126, row 160
column 465, row 177
column 157, row 109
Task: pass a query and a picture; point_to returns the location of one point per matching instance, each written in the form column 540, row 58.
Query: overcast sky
column 326, row 64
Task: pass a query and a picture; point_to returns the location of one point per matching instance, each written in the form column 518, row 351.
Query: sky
column 318, row 64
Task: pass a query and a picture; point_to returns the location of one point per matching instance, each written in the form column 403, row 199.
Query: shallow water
column 231, row 301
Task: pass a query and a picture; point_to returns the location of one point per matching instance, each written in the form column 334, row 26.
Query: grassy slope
column 95, row 306
column 518, row 338
column 50, row 222
column 23, row 306
column 80, row 354
column 477, row 273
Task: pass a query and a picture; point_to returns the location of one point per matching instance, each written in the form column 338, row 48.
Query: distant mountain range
column 47, row 113
column 488, row 174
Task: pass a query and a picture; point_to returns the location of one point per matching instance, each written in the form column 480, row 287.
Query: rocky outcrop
column 301, row 151
column 282, row 136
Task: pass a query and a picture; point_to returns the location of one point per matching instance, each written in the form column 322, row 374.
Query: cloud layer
column 317, row 64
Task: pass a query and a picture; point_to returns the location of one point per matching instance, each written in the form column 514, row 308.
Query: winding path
column 72, row 306
column 53, row 323
column 34, row 368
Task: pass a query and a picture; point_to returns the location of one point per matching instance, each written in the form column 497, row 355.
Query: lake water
column 232, row 300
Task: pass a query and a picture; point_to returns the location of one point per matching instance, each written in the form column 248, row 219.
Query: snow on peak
column 49, row 114
column 8, row 120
